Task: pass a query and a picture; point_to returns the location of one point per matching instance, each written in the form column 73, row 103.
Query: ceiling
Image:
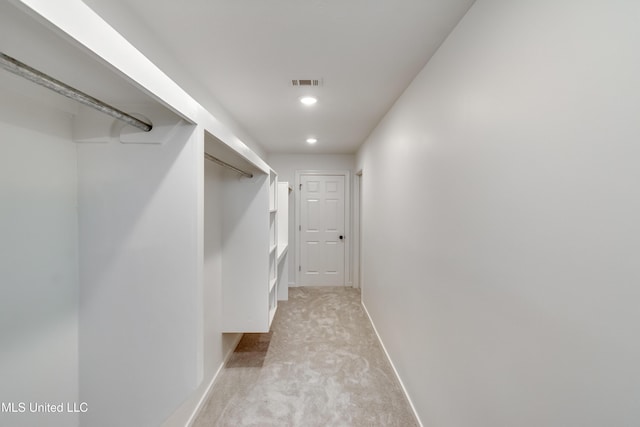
column 238, row 58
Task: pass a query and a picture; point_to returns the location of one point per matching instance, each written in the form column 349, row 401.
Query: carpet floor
column 320, row 366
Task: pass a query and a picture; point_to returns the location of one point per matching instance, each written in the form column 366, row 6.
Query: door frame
column 356, row 266
column 348, row 279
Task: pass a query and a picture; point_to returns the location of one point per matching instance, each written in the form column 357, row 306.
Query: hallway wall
column 500, row 219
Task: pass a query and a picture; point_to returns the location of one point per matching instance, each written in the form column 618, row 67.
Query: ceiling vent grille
column 305, row 82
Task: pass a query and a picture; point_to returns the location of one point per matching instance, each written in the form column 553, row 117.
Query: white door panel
column 322, row 223
column 313, row 215
column 332, row 222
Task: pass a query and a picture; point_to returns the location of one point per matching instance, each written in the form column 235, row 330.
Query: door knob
column 341, row 237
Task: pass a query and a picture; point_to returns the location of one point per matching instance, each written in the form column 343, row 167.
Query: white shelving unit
column 250, row 226
column 284, row 189
column 247, row 253
column 273, row 245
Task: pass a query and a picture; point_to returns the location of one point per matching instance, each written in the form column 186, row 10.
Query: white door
column 322, row 230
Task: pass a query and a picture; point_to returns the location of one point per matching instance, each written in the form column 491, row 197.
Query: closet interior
column 125, row 254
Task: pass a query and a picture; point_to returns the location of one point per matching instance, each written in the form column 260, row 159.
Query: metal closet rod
column 227, row 165
column 23, row 70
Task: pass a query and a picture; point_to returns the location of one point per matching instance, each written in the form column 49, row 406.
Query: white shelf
column 272, row 299
column 272, row 313
column 273, row 194
column 273, row 231
column 282, row 251
column 282, row 266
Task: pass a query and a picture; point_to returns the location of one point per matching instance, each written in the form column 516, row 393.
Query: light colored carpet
column 321, row 365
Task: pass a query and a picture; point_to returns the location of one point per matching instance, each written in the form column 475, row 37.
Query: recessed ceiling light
column 312, row 140
column 308, row 100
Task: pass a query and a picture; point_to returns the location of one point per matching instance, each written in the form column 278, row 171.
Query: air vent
column 306, row 82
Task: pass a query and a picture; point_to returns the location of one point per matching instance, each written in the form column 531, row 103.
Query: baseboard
column 395, row 371
column 207, row 392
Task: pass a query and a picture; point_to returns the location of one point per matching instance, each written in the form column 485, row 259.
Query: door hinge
column 300, row 187
column 299, row 268
column 299, row 228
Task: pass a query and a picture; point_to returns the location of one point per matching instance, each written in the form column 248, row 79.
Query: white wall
column 139, row 308
column 501, row 206
column 38, row 260
column 216, row 346
column 286, row 166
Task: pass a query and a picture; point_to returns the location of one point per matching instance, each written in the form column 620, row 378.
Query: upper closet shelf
column 79, row 26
